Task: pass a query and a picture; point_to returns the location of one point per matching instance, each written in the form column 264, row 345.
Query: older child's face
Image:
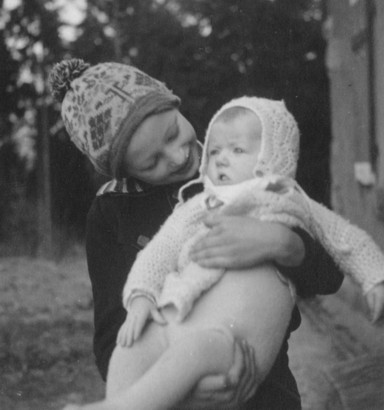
column 163, row 149
column 233, row 149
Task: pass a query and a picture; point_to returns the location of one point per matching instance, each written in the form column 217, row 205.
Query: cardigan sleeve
column 353, row 250
column 160, row 256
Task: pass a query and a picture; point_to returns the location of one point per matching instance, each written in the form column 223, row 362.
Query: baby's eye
column 213, row 152
column 238, row 150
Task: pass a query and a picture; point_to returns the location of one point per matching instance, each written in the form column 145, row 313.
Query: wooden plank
column 353, row 136
column 379, row 102
column 360, row 382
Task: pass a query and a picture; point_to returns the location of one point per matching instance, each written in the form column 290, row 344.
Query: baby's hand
column 141, row 310
column 375, row 302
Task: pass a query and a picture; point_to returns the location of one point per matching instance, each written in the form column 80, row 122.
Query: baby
column 248, row 165
column 266, row 191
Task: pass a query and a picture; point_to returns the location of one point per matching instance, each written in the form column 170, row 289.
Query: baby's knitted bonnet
column 102, row 106
column 279, row 150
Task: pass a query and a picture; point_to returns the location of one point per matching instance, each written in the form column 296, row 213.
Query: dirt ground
column 46, row 357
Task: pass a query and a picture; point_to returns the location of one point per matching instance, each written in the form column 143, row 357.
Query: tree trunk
column 44, row 217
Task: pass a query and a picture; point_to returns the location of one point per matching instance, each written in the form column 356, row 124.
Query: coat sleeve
column 318, row 274
column 108, row 267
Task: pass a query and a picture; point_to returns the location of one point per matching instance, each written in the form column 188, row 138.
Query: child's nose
column 177, row 157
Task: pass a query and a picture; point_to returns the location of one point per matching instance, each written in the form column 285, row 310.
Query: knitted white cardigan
column 160, row 269
column 163, row 271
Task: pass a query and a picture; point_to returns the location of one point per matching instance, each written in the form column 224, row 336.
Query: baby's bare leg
column 255, row 304
column 177, row 371
column 127, row 365
column 169, row 380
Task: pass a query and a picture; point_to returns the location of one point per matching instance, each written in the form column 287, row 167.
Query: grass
column 46, row 334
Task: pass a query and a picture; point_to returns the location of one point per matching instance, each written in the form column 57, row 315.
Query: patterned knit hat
column 279, row 150
column 103, row 105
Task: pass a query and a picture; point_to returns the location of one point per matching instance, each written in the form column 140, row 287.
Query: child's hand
column 238, row 386
column 140, row 311
column 375, row 302
column 237, row 242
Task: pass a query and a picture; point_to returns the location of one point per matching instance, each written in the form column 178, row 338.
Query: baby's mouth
column 223, row 178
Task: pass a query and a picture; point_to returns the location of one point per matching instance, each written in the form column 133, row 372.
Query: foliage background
column 207, row 51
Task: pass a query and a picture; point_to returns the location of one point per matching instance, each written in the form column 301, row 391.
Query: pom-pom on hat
column 102, row 106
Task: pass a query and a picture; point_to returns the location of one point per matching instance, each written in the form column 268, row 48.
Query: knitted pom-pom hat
column 279, row 150
column 103, row 105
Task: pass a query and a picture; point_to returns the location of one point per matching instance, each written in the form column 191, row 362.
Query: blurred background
column 325, row 58
column 207, row 51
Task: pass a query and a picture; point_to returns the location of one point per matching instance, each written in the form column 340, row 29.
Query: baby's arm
column 160, row 256
column 182, row 291
column 352, row 248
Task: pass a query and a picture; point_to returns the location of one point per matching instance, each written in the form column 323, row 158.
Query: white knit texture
column 160, row 257
column 351, row 247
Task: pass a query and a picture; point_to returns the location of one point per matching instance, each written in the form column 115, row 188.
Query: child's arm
column 160, row 256
column 271, row 232
column 317, row 274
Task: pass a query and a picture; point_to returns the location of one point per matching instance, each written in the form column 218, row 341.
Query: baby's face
column 233, row 149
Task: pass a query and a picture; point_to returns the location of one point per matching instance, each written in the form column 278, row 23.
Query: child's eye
column 172, row 137
column 151, row 166
column 238, row 150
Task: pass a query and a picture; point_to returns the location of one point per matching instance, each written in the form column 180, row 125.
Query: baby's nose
column 222, row 159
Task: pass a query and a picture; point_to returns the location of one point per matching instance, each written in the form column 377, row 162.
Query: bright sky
column 71, row 10
column 11, row 4
column 71, row 14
